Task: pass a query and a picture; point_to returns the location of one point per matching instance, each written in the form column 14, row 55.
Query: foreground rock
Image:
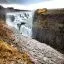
column 40, row 53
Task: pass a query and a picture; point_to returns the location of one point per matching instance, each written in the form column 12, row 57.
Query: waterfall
column 22, row 21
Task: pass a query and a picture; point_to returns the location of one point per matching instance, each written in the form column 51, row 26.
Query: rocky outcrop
column 40, row 53
column 48, row 27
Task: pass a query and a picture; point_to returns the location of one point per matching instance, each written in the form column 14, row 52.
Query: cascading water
column 22, row 21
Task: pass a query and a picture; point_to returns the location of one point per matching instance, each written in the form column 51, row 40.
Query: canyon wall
column 48, row 27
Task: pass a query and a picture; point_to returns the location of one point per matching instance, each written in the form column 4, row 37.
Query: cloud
column 21, row 1
column 47, row 4
column 3, row 1
column 16, row 6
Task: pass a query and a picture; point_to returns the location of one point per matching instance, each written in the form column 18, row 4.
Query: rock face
column 2, row 13
column 39, row 52
column 48, row 27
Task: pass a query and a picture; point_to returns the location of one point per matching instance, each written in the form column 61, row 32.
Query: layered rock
column 48, row 27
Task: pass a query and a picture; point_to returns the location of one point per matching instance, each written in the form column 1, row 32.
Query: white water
column 25, row 29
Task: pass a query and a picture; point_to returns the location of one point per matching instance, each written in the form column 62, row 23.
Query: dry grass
column 10, row 55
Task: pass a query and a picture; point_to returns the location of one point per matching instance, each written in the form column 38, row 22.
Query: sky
column 22, row 1
column 25, row 1
column 49, row 4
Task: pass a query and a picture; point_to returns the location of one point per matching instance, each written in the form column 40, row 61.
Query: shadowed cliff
column 48, row 27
